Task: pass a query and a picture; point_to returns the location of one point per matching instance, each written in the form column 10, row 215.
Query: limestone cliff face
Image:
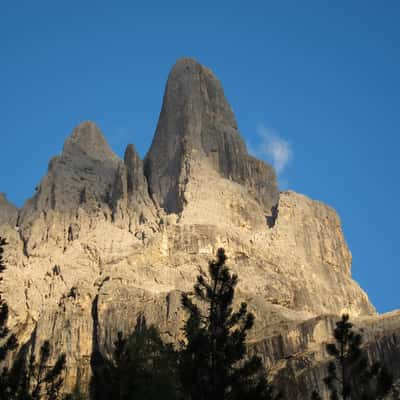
column 105, row 239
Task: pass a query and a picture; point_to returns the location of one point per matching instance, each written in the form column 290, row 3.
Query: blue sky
column 315, row 84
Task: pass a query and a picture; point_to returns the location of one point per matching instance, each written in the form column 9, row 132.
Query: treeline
column 210, row 363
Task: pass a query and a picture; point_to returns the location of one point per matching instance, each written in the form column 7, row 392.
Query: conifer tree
column 143, row 367
column 31, row 379
column 315, row 396
column 350, row 377
column 213, row 364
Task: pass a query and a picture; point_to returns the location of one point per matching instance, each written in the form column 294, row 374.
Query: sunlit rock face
column 105, row 239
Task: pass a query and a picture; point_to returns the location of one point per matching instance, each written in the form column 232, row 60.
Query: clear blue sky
column 325, row 76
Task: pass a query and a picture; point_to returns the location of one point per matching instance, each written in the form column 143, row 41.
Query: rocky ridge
column 104, row 239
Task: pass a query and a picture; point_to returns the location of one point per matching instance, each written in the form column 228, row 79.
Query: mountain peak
column 130, row 153
column 194, row 87
column 197, row 122
column 82, row 176
column 87, row 139
column 186, row 61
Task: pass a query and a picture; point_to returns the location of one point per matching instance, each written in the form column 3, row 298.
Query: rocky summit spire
column 135, row 175
column 82, row 176
column 130, row 196
column 88, row 178
column 197, row 123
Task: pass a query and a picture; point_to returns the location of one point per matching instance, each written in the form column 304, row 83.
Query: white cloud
column 276, row 149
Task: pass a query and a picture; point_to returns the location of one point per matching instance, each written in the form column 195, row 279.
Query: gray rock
column 81, row 176
column 196, row 122
column 137, row 182
column 131, row 202
column 8, row 211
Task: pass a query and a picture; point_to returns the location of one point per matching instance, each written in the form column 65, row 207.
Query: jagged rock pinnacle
column 87, row 138
column 134, row 166
column 89, row 177
column 81, row 177
column 130, row 195
column 197, row 122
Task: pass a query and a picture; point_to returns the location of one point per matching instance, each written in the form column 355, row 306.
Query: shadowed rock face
column 197, row 123
column 105, row 239
column 8, row 212
column 82, row 175
column 130, row 200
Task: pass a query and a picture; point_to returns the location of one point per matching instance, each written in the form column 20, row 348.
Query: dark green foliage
column 377, row 383
column 31, row 379
column 350, row 376
column 213, row 363
column 143, row 367
column 3, row 242
column 315, row 396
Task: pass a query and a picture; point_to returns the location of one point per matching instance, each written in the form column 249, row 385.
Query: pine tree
column 32, row 379
column 350, row 377
column 213, row 364
column 315, row 395
column 143, row 367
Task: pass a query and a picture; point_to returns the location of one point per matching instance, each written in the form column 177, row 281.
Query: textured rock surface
column 93, row 249
column 86, row 185
column 197, row 123
column 8, row 212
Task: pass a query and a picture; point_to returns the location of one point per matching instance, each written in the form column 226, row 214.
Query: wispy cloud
column 273, row 147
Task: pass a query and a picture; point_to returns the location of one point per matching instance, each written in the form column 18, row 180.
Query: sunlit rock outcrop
column 104, row 239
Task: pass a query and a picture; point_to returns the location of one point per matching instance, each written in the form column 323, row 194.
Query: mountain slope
column 105, row 239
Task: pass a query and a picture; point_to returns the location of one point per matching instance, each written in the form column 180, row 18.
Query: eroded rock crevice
column 271, row 219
